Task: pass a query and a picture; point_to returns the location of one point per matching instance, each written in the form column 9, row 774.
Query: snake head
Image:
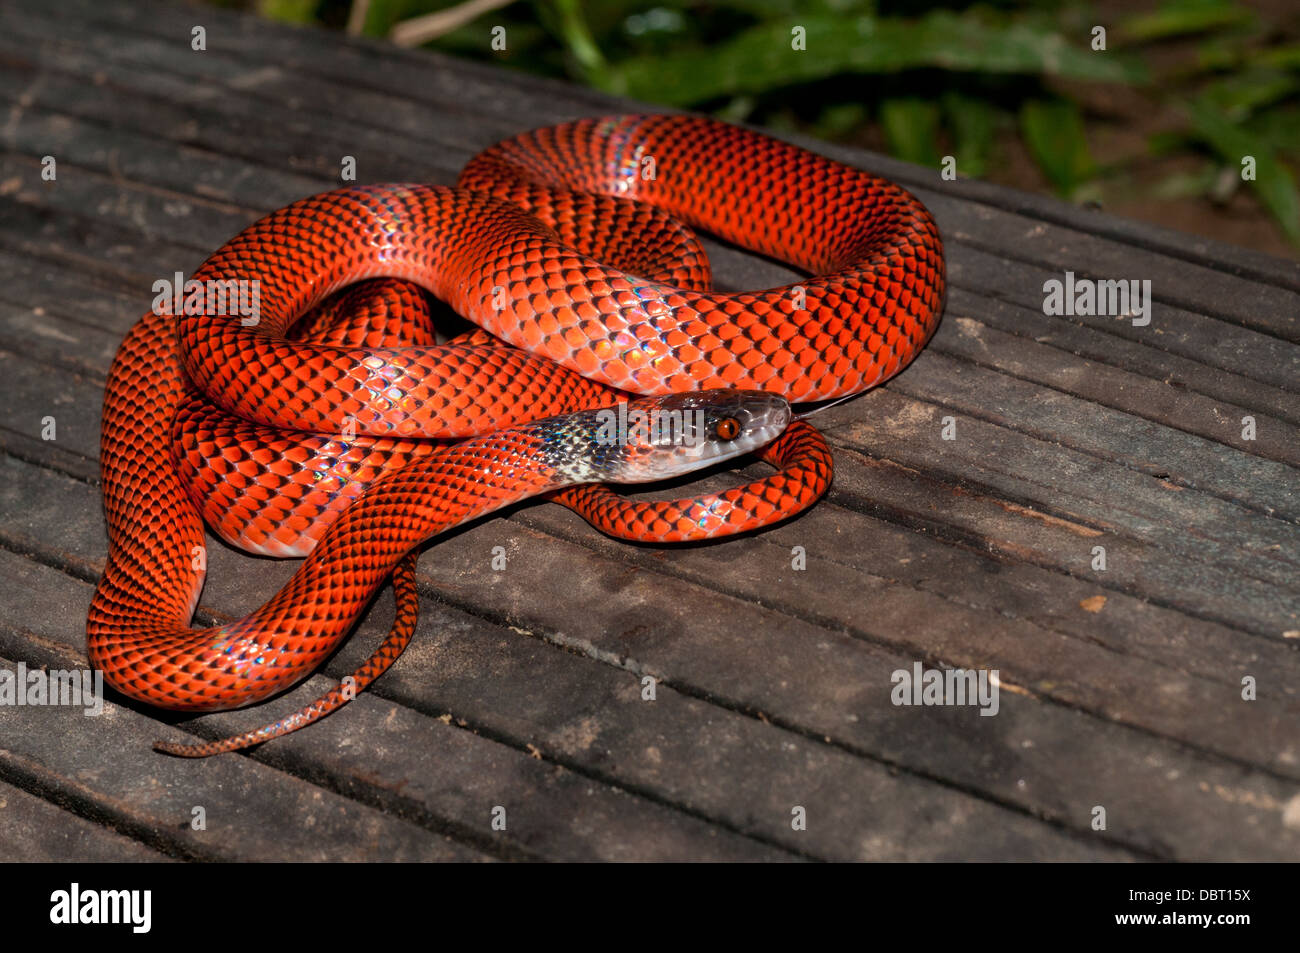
column 657, row 438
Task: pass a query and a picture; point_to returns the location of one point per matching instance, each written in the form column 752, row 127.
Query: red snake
column 566, row 246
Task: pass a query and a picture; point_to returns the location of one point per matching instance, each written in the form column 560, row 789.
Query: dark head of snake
column 658, row 438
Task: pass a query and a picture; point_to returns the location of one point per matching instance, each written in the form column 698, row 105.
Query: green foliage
column 1241, row 94
column 974, row 124
column 290, row 11
column 1053, row 130
column 762, row 57
column 1233, row 144
column 382, row 15
column 911, row 128
column 927, row 78
column 1183, row 17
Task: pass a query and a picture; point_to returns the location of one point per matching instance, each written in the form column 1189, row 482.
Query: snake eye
column 728, row 428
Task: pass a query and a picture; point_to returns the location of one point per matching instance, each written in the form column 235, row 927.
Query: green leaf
column 757, row 9
column 1232, row 143
column 738, row 109
column 1186, row 185
column 911, row 129
column 1239, row 95
column 1053, row 131
column 1276, row 57
column 1279, row 127
column 289, row 11
column 973, row 125
column 573, row 30
column 1181, row 18
column 382, row 15
column 839, row 120
column 1216, row 53
column 1168, row 142
column 763, row 58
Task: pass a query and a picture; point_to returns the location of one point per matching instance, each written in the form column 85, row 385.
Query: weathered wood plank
column 135, row 157
column 36, row 831
column 974, row 516
column 1183, row 332
column 1258, row 359
column 561, row 702
column 1150, row 383
column 453, row 787
column 854, row 552
column 177, row 112
column 486, row 675
column 1073, row 670
column 995, row 452
column 254, row 812
column 103, row 769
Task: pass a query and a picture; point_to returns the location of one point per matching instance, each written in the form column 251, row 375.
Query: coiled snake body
column 567, row 245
